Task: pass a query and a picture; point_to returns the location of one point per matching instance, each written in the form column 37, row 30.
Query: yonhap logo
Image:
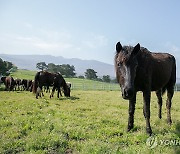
column 153, row 141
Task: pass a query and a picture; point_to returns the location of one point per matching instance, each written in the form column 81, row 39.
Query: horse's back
column 163, row 70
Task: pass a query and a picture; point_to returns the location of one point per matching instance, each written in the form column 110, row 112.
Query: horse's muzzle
column 127, row 93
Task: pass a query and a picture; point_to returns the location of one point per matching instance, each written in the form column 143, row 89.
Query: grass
column 24, row 74
column 87, row 122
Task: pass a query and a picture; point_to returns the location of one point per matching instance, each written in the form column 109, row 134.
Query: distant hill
column 29, row 62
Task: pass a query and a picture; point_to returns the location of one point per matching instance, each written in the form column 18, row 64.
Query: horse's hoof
column 169, row 121
column 149, row 131
column 129, row 128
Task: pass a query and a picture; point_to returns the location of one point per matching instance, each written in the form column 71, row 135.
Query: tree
column 68, row 70
column 41, row 66
column 91, row 74
column 6, row 67
column 65, row 69
column 52, row 68
column 81, row 76
column 99, row 79
column 106, row 78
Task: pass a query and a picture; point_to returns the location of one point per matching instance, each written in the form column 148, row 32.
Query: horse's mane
column 127, row 49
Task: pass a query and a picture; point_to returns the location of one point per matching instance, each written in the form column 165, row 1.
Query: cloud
column 52, row 46
column 62, row 35
column 45, row 45
column 95, row 41
column 26, row 39
column 56, row 43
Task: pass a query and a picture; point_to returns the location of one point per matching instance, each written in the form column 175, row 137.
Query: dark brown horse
column 8, row 82
column 50, row 79
column 137, row 69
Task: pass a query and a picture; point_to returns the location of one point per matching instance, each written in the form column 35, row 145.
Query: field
column 90, row 121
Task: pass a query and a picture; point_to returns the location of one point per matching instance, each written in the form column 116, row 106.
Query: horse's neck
column 144, row 58
column 64, row 85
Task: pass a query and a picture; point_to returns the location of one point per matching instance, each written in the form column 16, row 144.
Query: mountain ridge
column 29, row 62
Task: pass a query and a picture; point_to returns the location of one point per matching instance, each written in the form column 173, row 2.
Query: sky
column 88, row 29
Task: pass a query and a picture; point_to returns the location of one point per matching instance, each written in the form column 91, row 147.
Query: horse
column 8, row 82
column 17, row 84
column 44, row 78
column 138, row 69
column 24, row 84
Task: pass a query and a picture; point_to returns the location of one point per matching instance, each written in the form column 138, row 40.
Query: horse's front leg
column 58, row 91
column 52, row 93
column 146, row 110
column 132, row 103
column 38, row 92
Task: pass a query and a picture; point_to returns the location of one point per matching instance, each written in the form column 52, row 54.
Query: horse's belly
column 160, row 80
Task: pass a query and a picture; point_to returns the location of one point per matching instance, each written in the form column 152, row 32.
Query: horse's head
column 3, row 79
column 126, row 64
column 67, row 91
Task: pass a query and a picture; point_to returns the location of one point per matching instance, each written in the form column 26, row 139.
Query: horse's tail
column 36, row 81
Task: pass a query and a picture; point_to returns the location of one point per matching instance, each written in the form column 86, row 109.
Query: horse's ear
column 136, row 49
column 118, row 47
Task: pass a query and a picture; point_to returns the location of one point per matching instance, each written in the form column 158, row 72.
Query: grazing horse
column 137, row 69
column 8, row 82
column 50, row 79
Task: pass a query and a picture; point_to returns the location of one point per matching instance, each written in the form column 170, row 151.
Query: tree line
column 69, row 71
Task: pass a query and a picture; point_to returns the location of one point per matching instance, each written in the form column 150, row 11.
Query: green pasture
column 87, row 122
column 24, row 74
column 90, row 121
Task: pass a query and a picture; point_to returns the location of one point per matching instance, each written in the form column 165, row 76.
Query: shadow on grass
column 70, row 98
column 73, row 98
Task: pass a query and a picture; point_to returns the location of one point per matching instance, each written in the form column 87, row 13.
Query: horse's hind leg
column 52, row 93
column 59, row 92
column 38, row 92
column 159, row 96
column 170, row 93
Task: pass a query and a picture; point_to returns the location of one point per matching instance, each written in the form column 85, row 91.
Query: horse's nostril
column 128, row 92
